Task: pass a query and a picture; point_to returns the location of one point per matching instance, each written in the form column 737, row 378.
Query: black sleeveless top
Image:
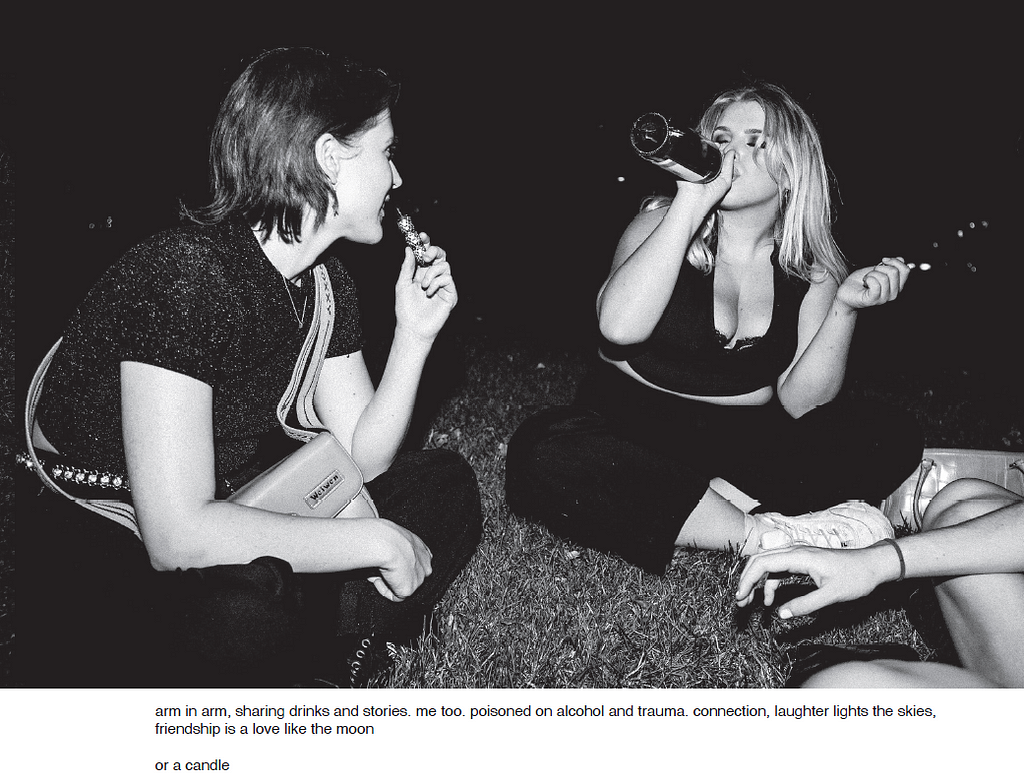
column 688, row 355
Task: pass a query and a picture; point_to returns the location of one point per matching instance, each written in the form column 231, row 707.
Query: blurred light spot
column 925, row 266
column 911, row 265
column 935, row 244
column 984, row 224
column 960, row 233
column 620, row 179
column 972, row 267
column 971, row 224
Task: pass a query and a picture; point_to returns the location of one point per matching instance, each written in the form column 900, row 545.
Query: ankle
column 751, row 536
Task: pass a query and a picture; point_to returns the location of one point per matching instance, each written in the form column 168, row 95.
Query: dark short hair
column 262, row 150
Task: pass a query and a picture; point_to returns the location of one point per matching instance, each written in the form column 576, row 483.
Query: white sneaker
column 846, row 526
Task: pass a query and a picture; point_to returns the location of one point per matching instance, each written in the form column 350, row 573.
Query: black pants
column 93, row 612
column 623, row 468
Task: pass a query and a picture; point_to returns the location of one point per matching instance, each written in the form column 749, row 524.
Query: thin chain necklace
column 288, row 290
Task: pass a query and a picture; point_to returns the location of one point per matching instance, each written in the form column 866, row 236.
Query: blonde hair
column 793, row 158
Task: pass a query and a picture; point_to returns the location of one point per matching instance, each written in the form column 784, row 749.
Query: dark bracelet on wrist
column 899, row 554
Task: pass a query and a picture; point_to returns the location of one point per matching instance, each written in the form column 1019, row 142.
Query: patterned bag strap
column 115, row 510
column 306, row 373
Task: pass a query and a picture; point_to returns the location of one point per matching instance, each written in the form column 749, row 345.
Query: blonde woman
column 727, row 319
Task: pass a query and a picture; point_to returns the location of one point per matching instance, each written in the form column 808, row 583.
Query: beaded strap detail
column 74, row 475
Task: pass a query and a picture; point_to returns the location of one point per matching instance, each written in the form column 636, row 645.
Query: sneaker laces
column 834, row 536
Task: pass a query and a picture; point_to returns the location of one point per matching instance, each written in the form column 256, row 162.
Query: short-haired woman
column 172, row 372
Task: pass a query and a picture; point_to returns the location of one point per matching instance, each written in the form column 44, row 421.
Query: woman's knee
column 867, row 674
column 236, row 612
column 852, row 674
column 532, row 432
column 965, row 499
column 449, row 468
column 448, row 485
column 429, row 475
column 896, row 674
column 553, row 441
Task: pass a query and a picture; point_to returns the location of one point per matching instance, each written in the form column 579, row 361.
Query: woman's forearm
column 818, row 375
column 384, row 423
column 990, row 543
column 633, row 299
column 225, row 533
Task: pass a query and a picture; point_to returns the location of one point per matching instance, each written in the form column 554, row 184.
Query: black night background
column 515, row 154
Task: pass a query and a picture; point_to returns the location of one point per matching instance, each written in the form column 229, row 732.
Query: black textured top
column 688, row 355
column 205, row 302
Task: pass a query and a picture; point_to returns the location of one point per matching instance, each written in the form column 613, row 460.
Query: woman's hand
column 707, row 194
column 840, row 575
column 425, row 295
column 873, row 285
column 407, row 563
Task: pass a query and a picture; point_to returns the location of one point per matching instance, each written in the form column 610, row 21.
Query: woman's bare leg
column 984, row 612
column 895, row 674
column 715, row 523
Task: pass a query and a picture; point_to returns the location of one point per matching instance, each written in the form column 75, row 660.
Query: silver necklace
column 288, row 290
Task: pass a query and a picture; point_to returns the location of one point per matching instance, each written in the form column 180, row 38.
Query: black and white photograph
column 612, row 350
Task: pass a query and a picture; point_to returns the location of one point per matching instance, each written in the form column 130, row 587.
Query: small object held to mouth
column 412, row 238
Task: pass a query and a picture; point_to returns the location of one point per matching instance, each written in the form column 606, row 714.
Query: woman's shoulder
column 193, row 254
column 649, row 217
column 190, row 242
column 342, row 281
